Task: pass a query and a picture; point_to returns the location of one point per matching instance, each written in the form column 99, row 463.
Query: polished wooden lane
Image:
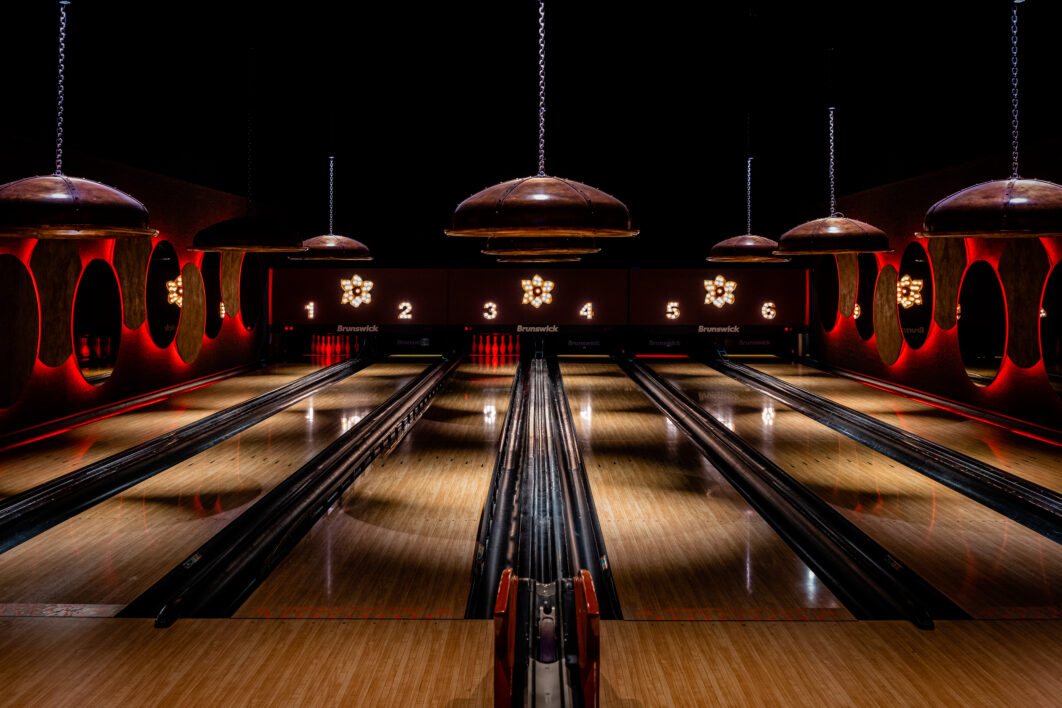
column 106, row 556
column 683, row 543
column 110, row 662
column 830, row 664
column 987, row 564
column 400, row 542
column 37, row 462
column 1037, row 461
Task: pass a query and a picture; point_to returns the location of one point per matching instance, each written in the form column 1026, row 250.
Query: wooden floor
column 102, row 559
column 37, row 462
column 683, row 543
column 401, row 541
column 59, row 662
column 1037, row 461
column 987, row 564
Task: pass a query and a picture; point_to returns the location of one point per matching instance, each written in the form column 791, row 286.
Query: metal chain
column 59, row 101
column 833, row 194
column 331, row 188
column 1014, row 90
column 541, row 88
column 748, row 196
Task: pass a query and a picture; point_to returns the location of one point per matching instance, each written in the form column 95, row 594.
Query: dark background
column 425, row 103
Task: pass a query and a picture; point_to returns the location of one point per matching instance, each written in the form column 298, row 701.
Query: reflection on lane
column 401, row 540
column 683, row 543
column 985, row 563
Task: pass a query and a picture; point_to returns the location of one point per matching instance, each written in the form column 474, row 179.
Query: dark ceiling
column 425, row 103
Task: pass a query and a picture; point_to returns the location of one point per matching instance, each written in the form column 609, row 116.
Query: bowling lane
column 683, row 543
column 1036, row 461
column 28, row 465
column 987, row 564
column 400, row 542
column 105, row 557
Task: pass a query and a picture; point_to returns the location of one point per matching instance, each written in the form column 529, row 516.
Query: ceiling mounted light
column 746, row 248
column 330, row 246
column 835, row 233
column 60, row 207
column 541, row 206
column 1006, row 208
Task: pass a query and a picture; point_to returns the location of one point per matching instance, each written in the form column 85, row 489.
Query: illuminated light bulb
column 356, row 292
column 222, row 309
column 672, row 311
column 1043, row 313
column 958, row 312
column 768, row 311
column 587, row 311
column 309, row 307
column 719, row 291
column 537, row 292
column 490, row 310
column 856, row 311
column 909, row 292
column 175, row 292
column 405, row 311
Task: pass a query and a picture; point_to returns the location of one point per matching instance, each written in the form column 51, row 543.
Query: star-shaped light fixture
column 909, row 292
column 719, row 291
column 537, row 292
column 356, row 292
column 175, row 292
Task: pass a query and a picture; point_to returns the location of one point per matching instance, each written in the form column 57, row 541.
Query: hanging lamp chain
column 1014, row 90
column 748, row 196
column 833, row 191
column 61, row 95
column 331, row 190
column 541, row 88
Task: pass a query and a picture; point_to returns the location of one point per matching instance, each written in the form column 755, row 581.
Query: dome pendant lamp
column 332, row 247
column 746, row 248
column 56, row 206
column 834, row 234
column 549, row 210
column 1006, row 208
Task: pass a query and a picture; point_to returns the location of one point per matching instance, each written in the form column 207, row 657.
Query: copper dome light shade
column 330, row 246
column 541, row 206
column 834, row 234
column 746, row 249
column 249, row 234
column 1006, row 208
column 61, row 207
column 56, row 206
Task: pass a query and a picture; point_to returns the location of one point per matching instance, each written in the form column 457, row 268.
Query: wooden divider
column 193, row 314
column 948, row 259
column 131, row 256
column 1023, row 269
column 56, row 266
column 848, row 282
column 886, row 321
column 231, row 263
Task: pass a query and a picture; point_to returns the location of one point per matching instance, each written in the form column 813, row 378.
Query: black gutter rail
column 496, row 522
column 1035, row 507
column 218, row 577
column 36, row 510
column 861, row 573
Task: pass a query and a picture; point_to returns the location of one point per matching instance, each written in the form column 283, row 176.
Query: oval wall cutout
column 97, row 326
column 20, row 322
column 1051, row 328
column 982, row 323
column 914, row 295
column 863, row 311
column 163, row 311
column 826, row 289
column 251, row 292
column 215, row 305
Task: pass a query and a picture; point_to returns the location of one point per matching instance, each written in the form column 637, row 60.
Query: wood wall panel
column 948, row 259
column 886, row 321
column 1023, row 269
column 20, row 324
column 193, row 314
column 56, row 266
column 131, row 256
column 848, row 282
column 231, row 262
